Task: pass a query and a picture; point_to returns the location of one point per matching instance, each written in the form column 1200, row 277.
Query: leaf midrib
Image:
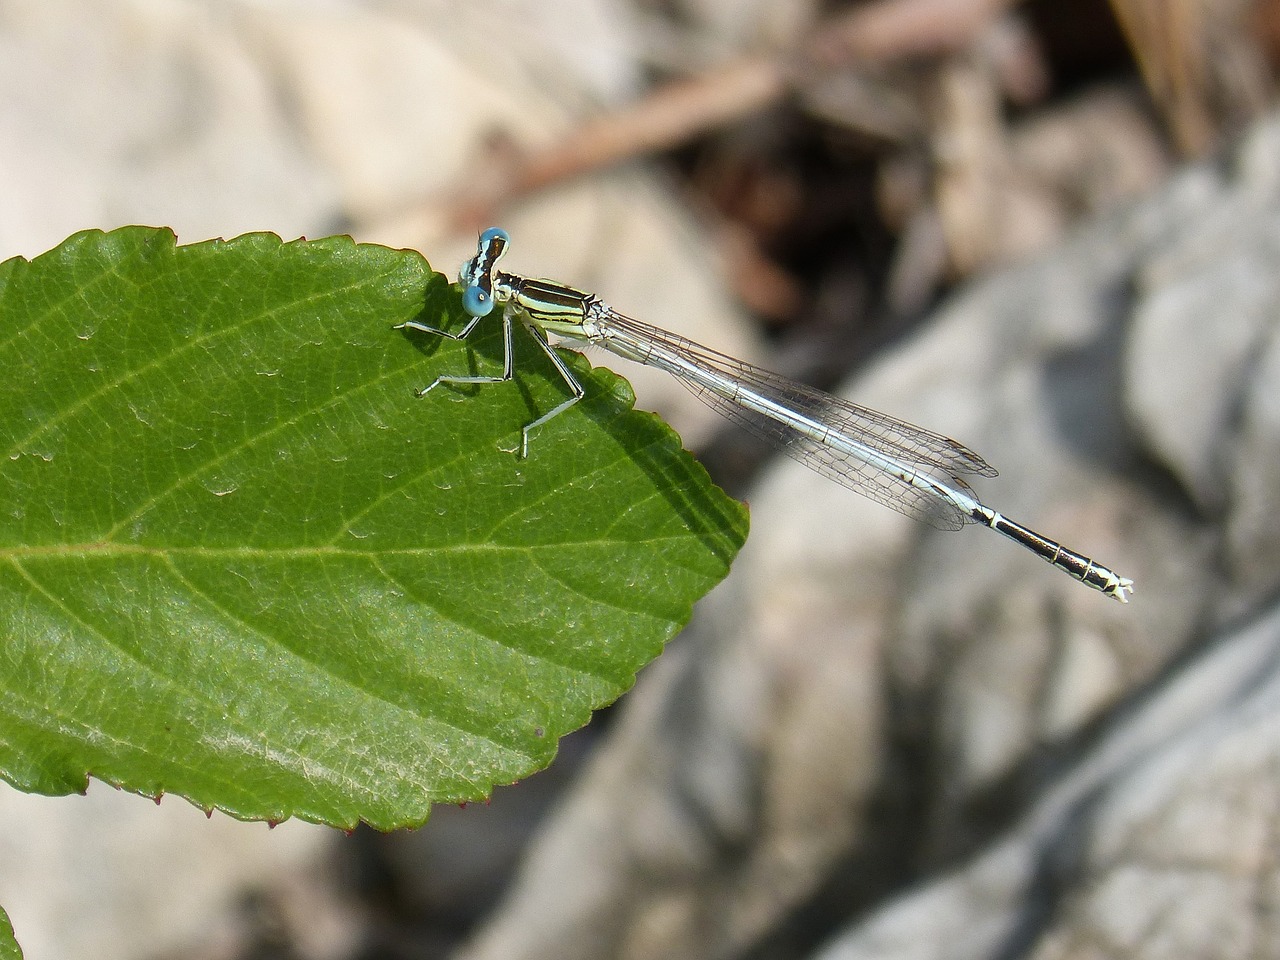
column 114, row 549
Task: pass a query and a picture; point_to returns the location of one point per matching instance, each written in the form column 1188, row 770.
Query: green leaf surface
column 9, row 949
column 240, row 561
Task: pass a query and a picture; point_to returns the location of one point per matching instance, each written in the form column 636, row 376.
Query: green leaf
column 9, row 949
column 241, row 562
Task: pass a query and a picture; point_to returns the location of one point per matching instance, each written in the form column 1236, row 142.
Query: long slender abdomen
column 1079, row 566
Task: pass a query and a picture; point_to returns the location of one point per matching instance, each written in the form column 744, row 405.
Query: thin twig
column 871, row 34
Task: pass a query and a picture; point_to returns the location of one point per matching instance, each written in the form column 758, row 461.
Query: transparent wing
column 920, row 449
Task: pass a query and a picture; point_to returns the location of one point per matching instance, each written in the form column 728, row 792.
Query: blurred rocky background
column 1049, row 229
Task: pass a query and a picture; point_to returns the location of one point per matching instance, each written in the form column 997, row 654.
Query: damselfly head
column 470, row 272
column 476, row 274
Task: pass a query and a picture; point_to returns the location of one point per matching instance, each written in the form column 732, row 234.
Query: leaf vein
column 327, row 671
column 160, row 361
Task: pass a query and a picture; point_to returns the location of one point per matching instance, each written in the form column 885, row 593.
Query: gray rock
column 868, row 707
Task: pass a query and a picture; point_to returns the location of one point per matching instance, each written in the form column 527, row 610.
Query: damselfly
column 912, row 470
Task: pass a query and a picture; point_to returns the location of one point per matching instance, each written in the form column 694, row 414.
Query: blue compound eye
column 494, row 233
column 476, row 301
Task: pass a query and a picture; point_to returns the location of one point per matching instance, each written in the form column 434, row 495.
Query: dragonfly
column 907, row 468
